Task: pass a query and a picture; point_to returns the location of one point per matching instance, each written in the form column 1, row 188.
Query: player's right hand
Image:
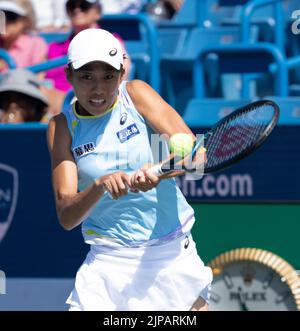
column 116, row 184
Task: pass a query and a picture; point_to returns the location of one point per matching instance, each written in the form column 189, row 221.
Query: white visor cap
column 95, row 45
column 12, row 7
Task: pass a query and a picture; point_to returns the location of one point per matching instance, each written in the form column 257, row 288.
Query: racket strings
column 237, row 134
column 211, row 146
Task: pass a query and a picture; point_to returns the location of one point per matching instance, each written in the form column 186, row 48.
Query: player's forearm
column 72, row 210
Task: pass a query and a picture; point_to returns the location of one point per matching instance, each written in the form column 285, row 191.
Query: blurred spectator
column 25, row 49
column 161, row 9
column 164, row 9
column 122, row 6
column 51, row 15
column 83, row 14
column 20, row 97
column 27, row 6
column 175, row 4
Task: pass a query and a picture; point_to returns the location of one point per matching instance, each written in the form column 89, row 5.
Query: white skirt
column 154, row 278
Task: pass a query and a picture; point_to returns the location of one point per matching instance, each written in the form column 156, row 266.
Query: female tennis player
column 142, row 255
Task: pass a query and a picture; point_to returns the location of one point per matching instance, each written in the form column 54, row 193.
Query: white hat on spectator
column 12, row 7
column 95, row 45
column 22, row 81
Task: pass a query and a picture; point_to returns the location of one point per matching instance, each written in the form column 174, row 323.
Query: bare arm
column 72, row 207
column 158, row 113
column 127, row 63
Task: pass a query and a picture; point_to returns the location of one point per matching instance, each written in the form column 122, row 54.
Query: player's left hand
column 142, row 181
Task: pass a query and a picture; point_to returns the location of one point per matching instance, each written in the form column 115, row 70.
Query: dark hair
column 10, row 16
column 70, row 68
column 40, row 110
column 84, row 5
column 35, row 114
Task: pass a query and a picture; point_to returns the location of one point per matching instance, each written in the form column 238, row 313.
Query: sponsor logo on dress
column 123, row 118
column 128, row 133
column 83, row 149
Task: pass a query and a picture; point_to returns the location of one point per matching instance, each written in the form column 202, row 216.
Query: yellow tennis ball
column 181, row 144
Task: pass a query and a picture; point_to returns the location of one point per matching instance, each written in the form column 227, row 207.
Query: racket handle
column 155, row 170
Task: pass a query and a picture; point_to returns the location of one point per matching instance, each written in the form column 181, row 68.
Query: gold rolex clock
column 253, row 279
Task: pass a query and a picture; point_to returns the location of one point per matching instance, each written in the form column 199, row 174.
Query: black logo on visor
column 113, row 52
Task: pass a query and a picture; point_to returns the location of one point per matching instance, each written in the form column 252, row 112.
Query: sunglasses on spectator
column 84, row 6
column 11, row 17
column 19, row 100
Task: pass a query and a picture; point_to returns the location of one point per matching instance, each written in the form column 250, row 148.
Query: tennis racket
column 230, row 140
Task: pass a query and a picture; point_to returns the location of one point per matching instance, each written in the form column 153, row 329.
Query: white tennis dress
column 142, row 254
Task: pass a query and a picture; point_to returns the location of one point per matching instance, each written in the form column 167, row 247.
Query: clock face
column 250, row 285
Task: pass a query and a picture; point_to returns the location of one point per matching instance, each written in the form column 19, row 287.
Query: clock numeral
column 227, row 279
column 282, row 297
column 214, row 297
column 268, row 280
